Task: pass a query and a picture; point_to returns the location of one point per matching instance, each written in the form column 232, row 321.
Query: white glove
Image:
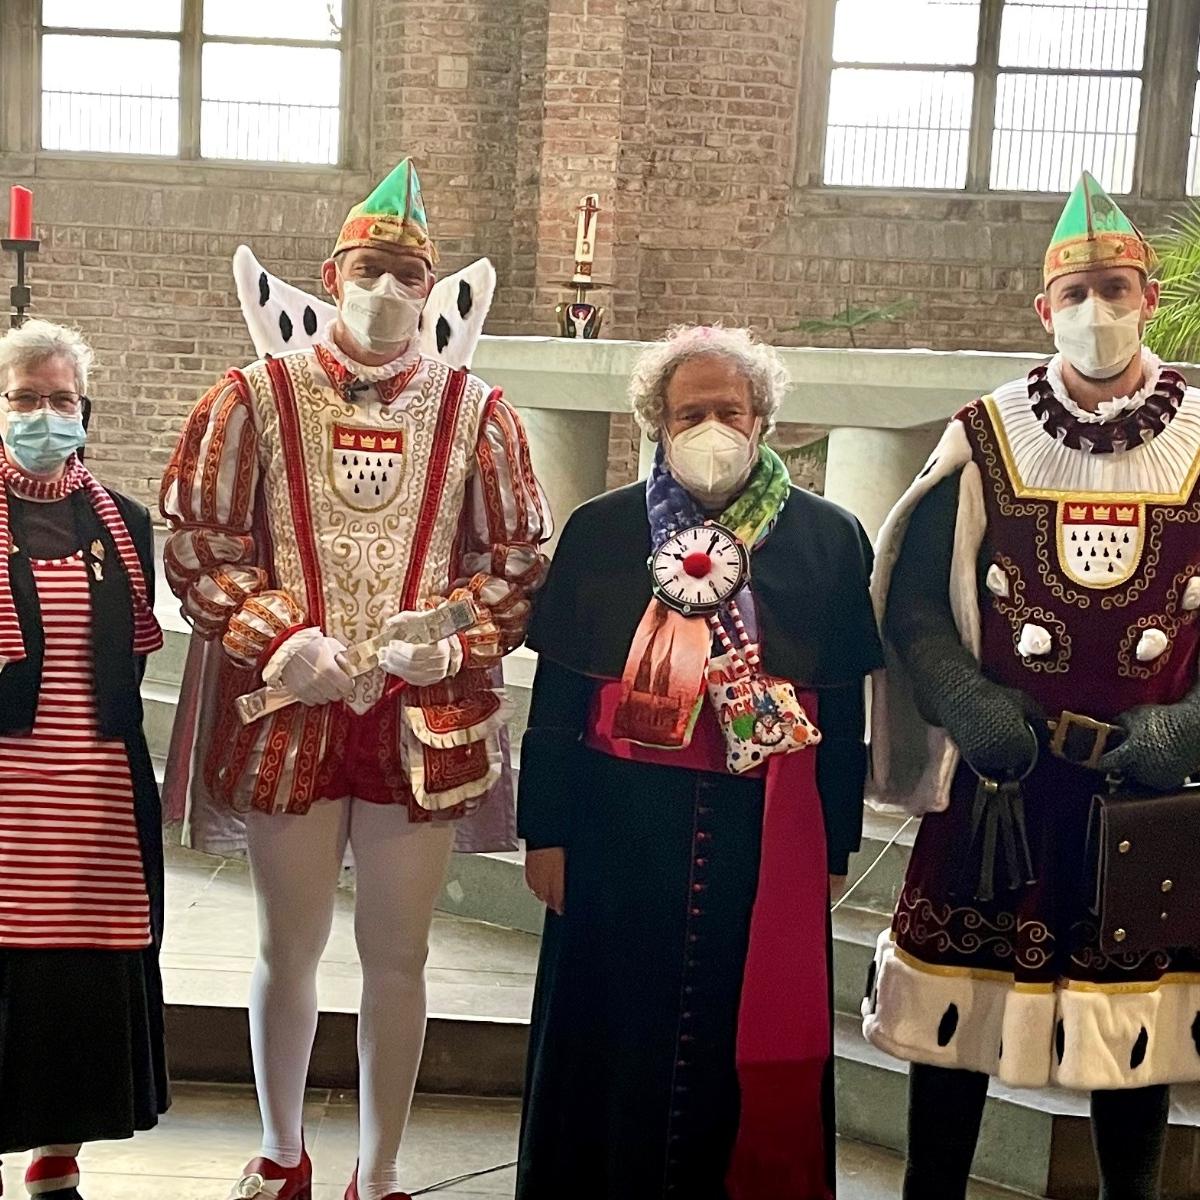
column 312, row 667
column 423, row 663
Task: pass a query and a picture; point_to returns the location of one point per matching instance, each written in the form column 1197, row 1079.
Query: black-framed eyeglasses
column 26, row 400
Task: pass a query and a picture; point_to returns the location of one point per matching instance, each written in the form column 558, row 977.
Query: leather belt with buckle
column 1083, row 740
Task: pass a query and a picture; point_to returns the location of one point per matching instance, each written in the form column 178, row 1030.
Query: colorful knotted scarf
column 750, row 515
column 664, row 677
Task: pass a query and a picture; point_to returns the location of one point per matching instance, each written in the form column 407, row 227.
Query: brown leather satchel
column 1146, row 855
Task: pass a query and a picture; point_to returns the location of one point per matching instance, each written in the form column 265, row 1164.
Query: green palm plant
column 1174, row 333
column 853, row 318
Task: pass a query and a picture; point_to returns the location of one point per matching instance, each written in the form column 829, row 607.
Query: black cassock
column 632, row 1089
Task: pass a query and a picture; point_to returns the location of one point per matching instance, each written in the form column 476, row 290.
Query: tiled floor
column 201, row 1145
column 474, row 969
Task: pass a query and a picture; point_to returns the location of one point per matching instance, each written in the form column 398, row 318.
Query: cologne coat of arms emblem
column 1100, row 542
column 366, row 465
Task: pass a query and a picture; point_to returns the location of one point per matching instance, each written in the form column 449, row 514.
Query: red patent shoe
column 262, row 1177
column 352, row 1190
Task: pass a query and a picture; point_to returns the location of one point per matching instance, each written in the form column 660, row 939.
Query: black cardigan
column 118, row 671
column 816, row 627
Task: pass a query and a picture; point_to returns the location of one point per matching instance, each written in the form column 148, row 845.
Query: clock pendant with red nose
column 700, row 568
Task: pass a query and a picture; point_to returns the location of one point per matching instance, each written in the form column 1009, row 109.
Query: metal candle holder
column 19, row 294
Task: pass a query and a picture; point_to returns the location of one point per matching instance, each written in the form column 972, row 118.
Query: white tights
column 296, row 862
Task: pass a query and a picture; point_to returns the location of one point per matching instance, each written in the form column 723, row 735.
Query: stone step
column 1037, row 1142
column 467, row 1056
column 855, row 933
column 884, row 878
column 166, row 666
column 159, row 701
column 491, row 888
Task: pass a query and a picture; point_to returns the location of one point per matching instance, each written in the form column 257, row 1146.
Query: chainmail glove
column 1162, row 745
column 989, row 724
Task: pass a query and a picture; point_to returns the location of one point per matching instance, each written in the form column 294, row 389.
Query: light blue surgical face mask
column 42, row 441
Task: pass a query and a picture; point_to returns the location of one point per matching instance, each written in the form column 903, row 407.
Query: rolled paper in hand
column 20, row 214
column 445, row 620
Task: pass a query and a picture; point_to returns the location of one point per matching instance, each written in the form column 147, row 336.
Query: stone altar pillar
column 569, row 449
column 868, row 470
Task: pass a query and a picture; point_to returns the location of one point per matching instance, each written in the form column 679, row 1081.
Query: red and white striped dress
column 71, row 873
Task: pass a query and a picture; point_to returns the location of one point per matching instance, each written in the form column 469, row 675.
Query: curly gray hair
column 760, row 363
column 37, row 341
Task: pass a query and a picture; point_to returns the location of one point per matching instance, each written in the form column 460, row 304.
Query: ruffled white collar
column 388, row 370
column 1109, row 410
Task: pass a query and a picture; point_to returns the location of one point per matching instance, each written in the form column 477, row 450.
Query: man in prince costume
column 319, row 498
column 691, row 777
column 1038, row 587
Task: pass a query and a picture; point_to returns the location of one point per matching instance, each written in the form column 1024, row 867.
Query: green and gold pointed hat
column 1094, row 232
column 393, row 215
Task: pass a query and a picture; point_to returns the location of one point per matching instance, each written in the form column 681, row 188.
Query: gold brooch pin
column 98, row 559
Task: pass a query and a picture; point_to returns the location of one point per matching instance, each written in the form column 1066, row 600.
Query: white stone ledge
column 877, row 389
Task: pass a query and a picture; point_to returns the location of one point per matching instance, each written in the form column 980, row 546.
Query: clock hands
column 698, row 569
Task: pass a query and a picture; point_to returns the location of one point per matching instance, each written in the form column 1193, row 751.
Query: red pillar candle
column 20, row 214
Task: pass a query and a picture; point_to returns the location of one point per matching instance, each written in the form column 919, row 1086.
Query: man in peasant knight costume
column 1038, row 588
column 318, row 499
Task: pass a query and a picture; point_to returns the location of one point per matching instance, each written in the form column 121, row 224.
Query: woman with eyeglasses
column 81, row 1011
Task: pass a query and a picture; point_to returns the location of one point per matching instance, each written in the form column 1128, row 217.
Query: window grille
column 194, row 78
column 1065, row 78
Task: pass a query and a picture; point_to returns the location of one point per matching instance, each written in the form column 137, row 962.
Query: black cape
column 816, row 627
column 809, row 581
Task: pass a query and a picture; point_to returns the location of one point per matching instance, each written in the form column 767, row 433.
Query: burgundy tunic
column 1019, row 985
column 1145, row 552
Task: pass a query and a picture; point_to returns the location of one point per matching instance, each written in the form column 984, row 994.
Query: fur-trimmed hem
column 1079, row 1036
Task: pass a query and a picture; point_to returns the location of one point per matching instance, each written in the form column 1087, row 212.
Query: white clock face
column 699, row 569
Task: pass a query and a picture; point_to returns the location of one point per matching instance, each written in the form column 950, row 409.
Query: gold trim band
column 980, row 975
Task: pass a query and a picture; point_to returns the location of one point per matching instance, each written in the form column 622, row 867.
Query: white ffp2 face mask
column 1097, row 338
column 381, row 315
column 712, row 460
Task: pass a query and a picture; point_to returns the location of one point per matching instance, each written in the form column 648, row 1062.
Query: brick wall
column 144, row 269
column 683, row 114
column 971, row 264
